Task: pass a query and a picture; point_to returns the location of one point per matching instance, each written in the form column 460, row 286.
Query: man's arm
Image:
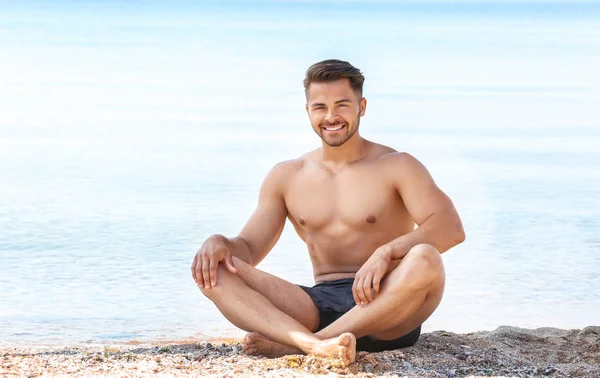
column 431, row 209
column 438, row 223
column 258, row 237
column 265, row 225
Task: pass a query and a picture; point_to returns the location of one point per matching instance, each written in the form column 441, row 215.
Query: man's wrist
column 219, row 237
column 397, row 250
column 385, row 252
column 240, row 248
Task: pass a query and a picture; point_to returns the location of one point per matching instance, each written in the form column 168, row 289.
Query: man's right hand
column 206, row 261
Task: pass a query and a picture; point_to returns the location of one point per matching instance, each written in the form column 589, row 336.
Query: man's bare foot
column 257, row 344
column 342, row 347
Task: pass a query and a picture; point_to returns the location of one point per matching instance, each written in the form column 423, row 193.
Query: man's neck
column 354, row 149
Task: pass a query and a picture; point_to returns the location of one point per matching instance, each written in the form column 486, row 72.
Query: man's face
column 334, row 110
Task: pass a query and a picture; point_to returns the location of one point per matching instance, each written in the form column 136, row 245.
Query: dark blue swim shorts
column 334, row 299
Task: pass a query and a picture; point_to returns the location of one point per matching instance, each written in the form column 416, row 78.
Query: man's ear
column 363, row 106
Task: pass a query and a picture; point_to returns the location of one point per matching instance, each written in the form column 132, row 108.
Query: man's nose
column 331, row 116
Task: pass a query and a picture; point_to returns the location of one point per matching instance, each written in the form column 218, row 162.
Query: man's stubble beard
column 348, row 136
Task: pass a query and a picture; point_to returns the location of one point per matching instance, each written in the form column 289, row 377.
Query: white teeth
column 334, row 128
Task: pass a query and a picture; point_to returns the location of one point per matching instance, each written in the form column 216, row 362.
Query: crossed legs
column 282, row 318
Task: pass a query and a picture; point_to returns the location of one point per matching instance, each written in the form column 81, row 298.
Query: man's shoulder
column 394, row 161
column 381, row 150
column 284, row 170
column 398, row 157
column 390, row 155
column 291, row 166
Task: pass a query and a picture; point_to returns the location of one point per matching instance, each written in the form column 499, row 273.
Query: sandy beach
column 504, row 352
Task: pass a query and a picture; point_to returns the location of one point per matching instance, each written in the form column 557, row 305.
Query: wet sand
column 504, row 352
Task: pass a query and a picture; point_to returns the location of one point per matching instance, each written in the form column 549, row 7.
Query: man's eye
column 319, row 108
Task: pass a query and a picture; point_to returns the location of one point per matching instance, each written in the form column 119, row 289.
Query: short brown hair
column 332, row 70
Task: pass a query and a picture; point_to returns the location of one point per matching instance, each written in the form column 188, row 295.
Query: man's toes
column 250, row 343
column 248, row 338
column 252, row 337
column 251, row 351
column 250, row 348
column 348, row 343
column 345, row 339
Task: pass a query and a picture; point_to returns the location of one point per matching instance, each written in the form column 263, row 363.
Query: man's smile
column 333, row 128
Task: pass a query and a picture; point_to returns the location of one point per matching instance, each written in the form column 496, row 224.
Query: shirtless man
column 374, row 223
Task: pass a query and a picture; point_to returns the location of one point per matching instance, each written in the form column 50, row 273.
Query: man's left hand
column 368, row 278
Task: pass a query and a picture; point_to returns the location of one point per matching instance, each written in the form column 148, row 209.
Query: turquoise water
column 131, row 132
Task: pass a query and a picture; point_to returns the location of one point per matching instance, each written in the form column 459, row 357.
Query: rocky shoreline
column 504, row 352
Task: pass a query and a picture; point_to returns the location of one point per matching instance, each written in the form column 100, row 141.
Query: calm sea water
column 131, row 132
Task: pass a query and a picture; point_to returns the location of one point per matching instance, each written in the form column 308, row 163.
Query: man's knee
column 223, row 276
column 426, row 256
column 421, row 267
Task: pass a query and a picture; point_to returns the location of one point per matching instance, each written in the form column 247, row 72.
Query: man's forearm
column 239, row 248
column 442, row 231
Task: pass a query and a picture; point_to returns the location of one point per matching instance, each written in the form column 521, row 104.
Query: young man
column 355, row 204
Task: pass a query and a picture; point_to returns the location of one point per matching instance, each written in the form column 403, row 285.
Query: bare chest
column 356, row 199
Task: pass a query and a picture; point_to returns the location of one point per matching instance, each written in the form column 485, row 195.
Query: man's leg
column 256, row 302
column 408, row 296
column 286, row 296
